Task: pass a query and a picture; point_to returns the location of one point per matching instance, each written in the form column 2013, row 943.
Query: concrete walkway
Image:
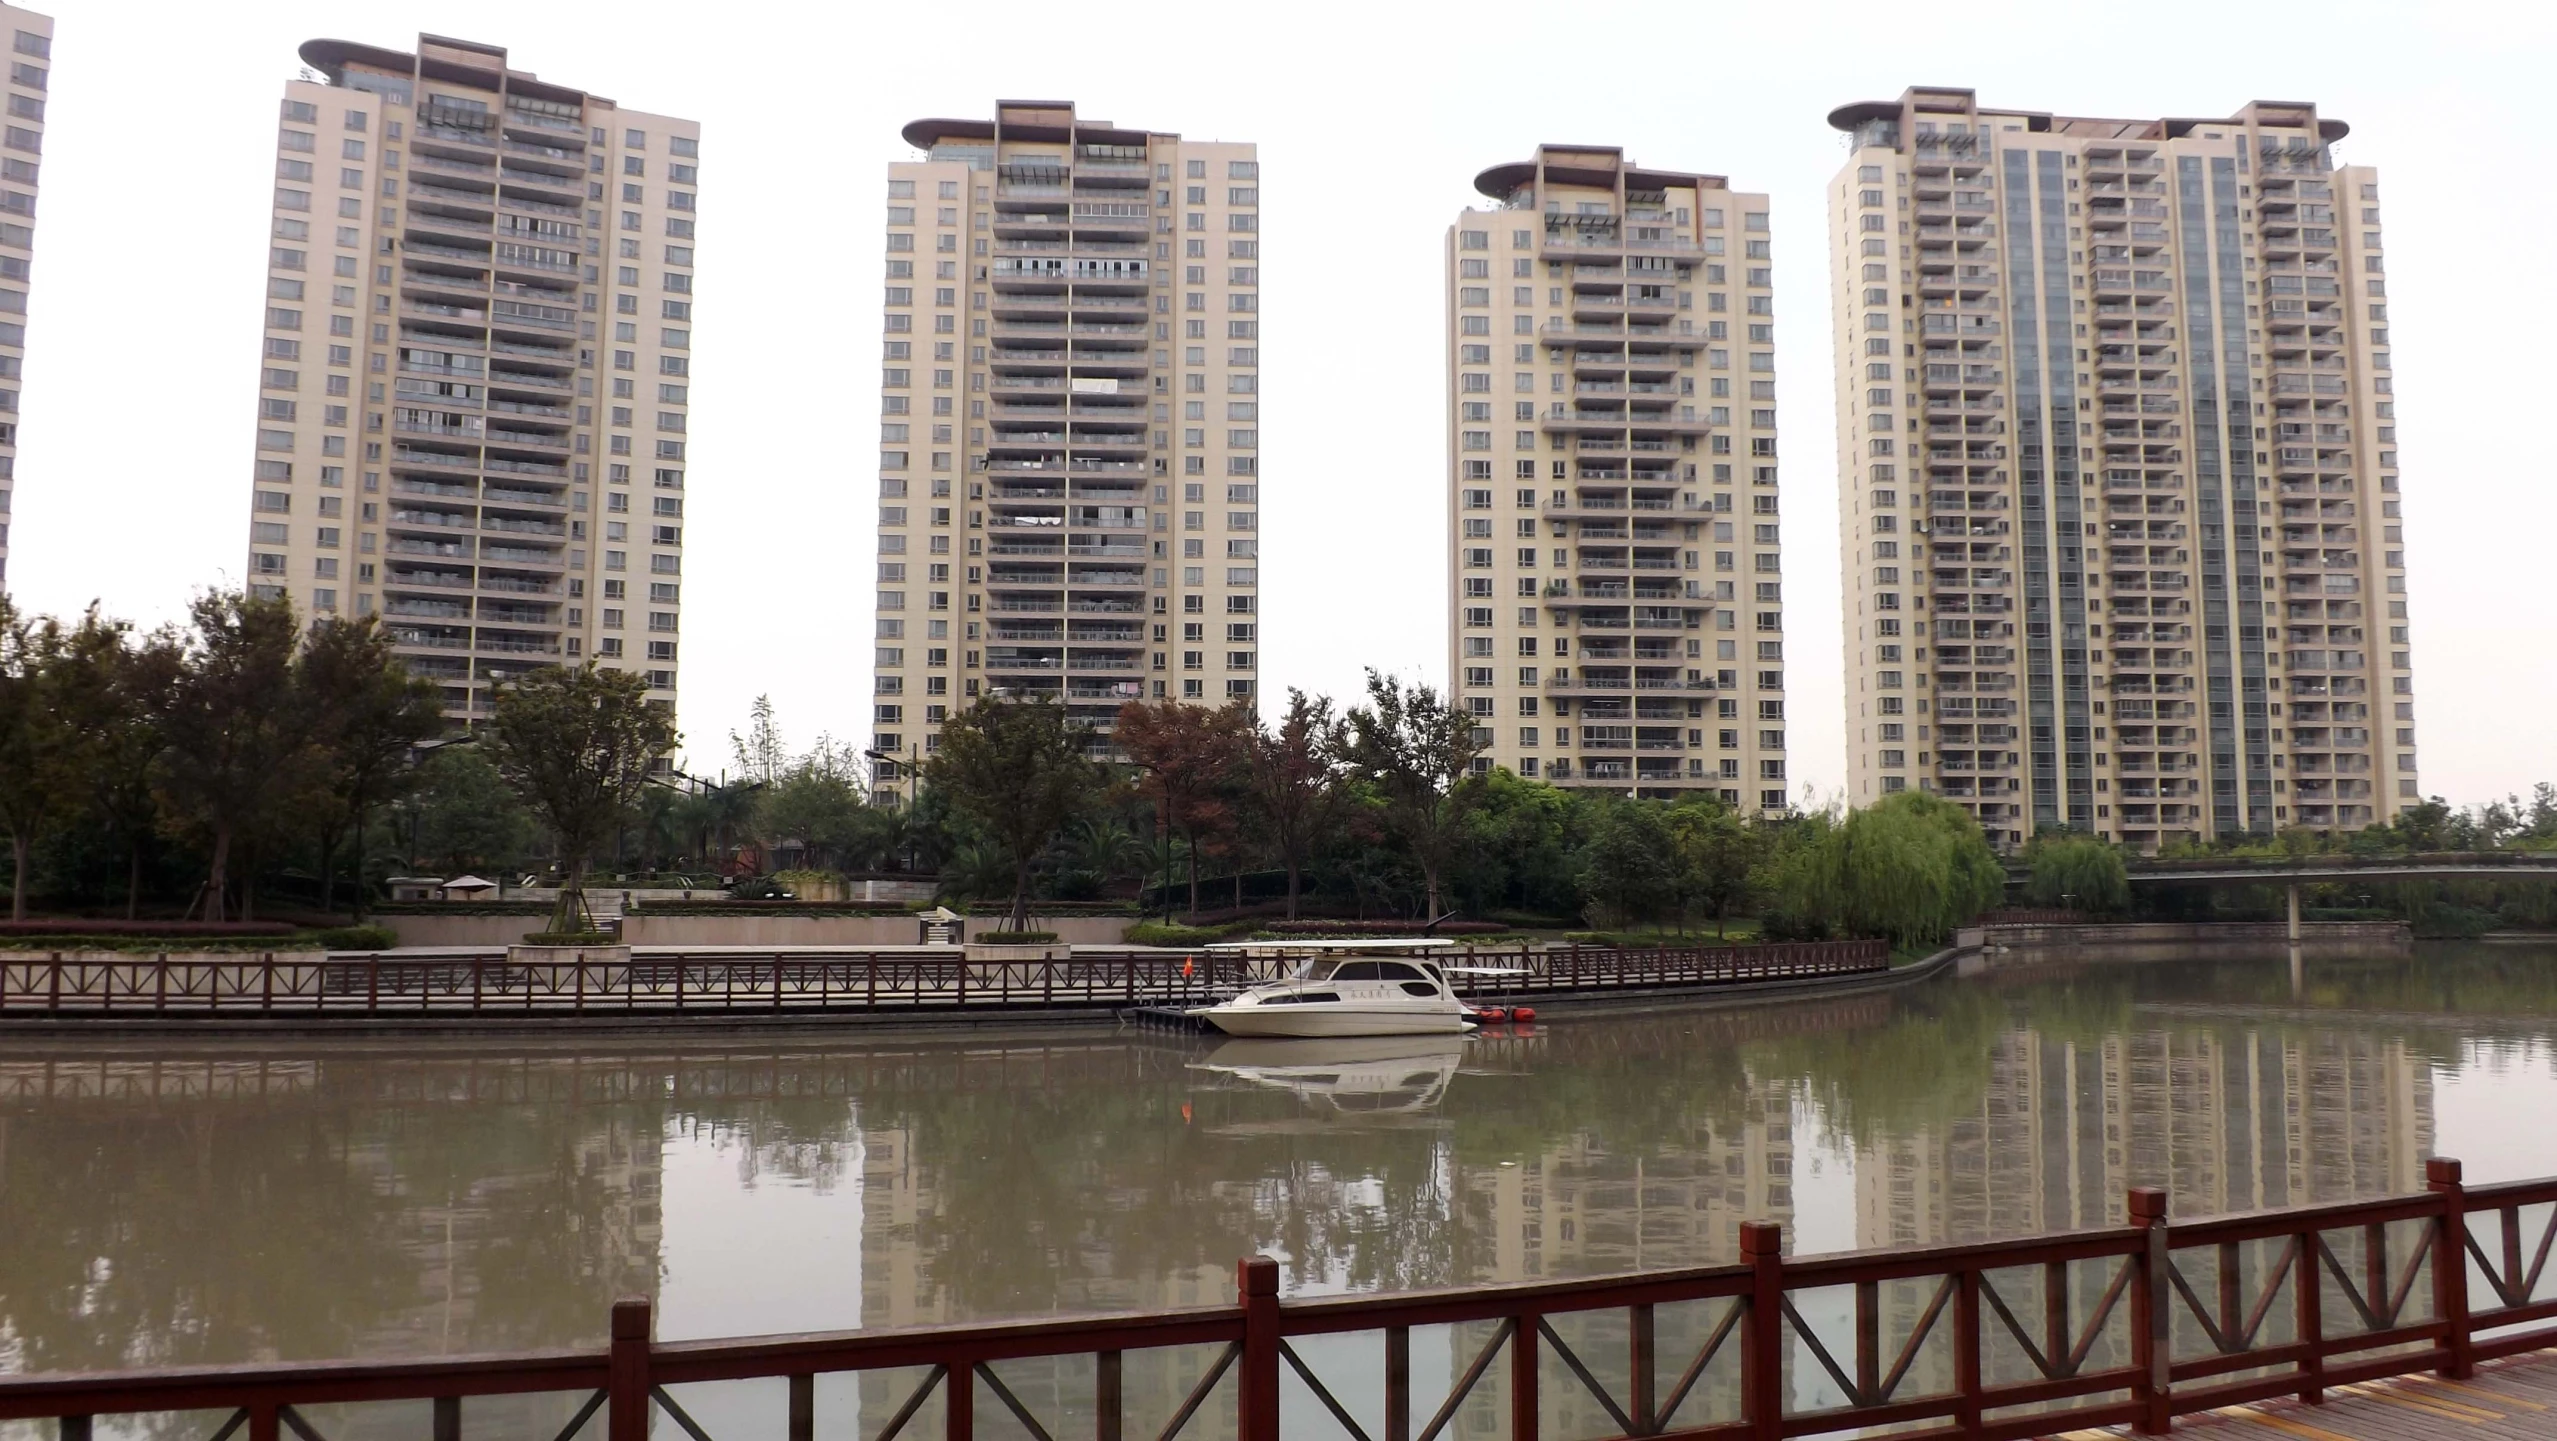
column 2516, row 1398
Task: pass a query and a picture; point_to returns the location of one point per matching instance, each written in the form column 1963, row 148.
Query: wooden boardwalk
column 2516, row 1399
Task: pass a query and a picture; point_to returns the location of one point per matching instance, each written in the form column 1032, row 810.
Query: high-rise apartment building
column 471, row 414
column 1617, row 614
column 21, row 143
column 2118, row 479
column 1069, row 464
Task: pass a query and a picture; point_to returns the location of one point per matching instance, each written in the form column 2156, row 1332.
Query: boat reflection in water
column 1371, row 1077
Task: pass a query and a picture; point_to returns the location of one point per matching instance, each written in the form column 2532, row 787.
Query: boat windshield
column 1313, row 968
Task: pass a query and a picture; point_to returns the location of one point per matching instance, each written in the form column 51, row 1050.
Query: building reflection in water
column 2227, row 1119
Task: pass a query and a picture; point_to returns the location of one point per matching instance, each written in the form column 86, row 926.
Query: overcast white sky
column 1371, row 120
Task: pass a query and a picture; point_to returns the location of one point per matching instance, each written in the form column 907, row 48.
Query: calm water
column 164, row 1204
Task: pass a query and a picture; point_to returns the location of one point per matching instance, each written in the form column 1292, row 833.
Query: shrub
column 570, row 938
column 1016, row 938
column 1392, row 929
column 1783, row 925
column 1155, row 933
column 357, row 938
column 2455, row 923
column 137, row 930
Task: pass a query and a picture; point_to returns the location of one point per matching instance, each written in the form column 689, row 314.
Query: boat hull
column 1311, row 1021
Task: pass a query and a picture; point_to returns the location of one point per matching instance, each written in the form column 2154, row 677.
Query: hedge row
column 50, row 926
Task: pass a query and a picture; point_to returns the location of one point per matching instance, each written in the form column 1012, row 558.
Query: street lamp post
column 912, row 768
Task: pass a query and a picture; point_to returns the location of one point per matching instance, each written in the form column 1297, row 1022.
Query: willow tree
column 1910, row 867
column 578, row 746
column 2077, row 871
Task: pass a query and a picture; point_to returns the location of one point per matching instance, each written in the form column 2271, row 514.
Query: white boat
column 1336, row 991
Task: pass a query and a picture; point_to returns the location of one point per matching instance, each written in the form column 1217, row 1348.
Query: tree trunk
column 1429, row 877
column 217, row 879
column 361, row 894
column 133, row 877
column 570, row 912
column 1292, row 871
column 18, row 887
column 1238, row 888
column 1193, row 838
column 1020, row 895
column 328, row 868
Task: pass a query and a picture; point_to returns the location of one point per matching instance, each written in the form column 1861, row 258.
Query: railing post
column 1524, row 1406
column 626, row 1385
column 1398, row 1383
column 2309, row 1320
column 2450, row 1267
column 1256, row 1396
column 1966, row 1351
column 1109, row 1408
column 1641, row 1378
column 2152, row 1356
column 1762, row 1351
column 803, row 1408
column 76, row 1428
column 448, row 1418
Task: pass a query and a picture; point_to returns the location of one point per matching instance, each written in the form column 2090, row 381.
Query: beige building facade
column 477, row 365
column 21, row 149
column 1616, row 606
column 1069, row 467
column 2118, row 472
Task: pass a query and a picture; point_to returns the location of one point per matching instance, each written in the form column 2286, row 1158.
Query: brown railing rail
column 744, row 981
column 2137, row 1324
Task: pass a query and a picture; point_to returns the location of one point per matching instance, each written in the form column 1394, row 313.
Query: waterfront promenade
column 2514, row 1400
column 743, row 982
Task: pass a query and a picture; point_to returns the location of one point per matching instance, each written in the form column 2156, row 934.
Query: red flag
column 1185, row 966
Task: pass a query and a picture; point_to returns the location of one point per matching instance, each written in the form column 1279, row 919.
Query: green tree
column 1293, row 782
column 1628, row 871
column 461, row 816
column 238, row 757
column 1096, row 852
column 819, row 804
column 578, row 746
column 40, row 752
column 1718, row 857
column 116, row 696
column 1015, row 770
column 2078, row 871
column 1910, row 867
column 1415, row 750
column 367, row 715
column 1518, row 846
column 760, row 753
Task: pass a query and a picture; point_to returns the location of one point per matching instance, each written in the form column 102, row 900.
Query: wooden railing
column 2132, row 1325
column 80, row 984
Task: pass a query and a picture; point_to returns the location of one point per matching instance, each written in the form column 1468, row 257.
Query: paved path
column 2507, row 1399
